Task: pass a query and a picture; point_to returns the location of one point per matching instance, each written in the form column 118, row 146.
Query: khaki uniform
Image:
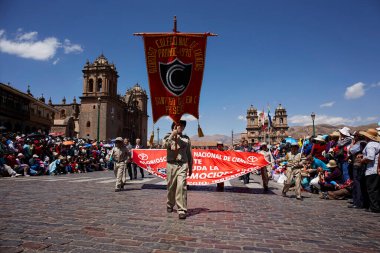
column 179, row 160
column 294, row 167
column 266, row 171
column 119, row 157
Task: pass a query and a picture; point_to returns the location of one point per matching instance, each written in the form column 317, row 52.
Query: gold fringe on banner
column 200, row 132
column 151, row 138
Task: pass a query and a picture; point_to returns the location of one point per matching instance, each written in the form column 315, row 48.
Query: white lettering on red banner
column 209, row 166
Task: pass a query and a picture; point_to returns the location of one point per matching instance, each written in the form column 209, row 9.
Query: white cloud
column 375, row 85
column 241, row 117
column 328, row 104
column 355, row 91
column 27, row 45
column 56, row 61
column 305, row 120
column 27, row 36
column 71, row 48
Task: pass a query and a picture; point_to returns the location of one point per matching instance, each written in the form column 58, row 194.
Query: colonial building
column 259, row 131
column 21, row 112
column 103, row 114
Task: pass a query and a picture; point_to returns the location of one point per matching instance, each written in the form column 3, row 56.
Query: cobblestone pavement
column 82, row 213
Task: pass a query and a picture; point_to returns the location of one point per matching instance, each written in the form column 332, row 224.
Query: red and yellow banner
column 210, row 166
column 175, row 64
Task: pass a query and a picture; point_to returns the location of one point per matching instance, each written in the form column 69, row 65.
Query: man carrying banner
column 265, row 171
column 220, row 186
column 179, row 162
column 294, row 167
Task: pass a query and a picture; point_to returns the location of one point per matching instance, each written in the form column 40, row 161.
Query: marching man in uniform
column 179, row 162
column 119, row 155
column 294, row 167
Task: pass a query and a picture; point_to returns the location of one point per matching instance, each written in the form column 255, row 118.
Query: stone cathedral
column 257, row 133
column 102, row 111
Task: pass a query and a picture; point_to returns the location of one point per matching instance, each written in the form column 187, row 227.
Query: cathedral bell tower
column 99, row 98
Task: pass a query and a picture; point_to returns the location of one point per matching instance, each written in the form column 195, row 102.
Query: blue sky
column 310, row 56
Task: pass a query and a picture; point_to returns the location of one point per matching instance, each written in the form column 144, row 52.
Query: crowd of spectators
column 37, row 154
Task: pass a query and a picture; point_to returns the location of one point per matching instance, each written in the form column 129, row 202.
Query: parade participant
column 128, row 145
column 119, row 156
column 220, row 186
column 134, row 166
column 245, row 148
column 371, row 157
column 179, row 162
column 294, row 167
column 265, row 171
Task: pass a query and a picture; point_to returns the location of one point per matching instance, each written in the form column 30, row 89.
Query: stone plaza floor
column 82, row 213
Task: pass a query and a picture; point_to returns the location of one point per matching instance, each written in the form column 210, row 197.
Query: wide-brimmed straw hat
column 371, row 134
column 345, row 131
column 119, row 139
column 335, row 134
column 320, row 138
column 332, row 164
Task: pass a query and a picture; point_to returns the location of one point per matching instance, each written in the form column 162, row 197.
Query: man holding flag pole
column 175, row 64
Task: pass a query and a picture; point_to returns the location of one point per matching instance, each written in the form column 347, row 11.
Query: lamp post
column 313, row 118
column 158, row 136
column 232, row 138
column 97, row 136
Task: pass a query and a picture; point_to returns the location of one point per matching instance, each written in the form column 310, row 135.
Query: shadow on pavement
column 195, row 211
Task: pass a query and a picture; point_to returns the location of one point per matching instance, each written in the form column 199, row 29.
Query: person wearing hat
column 331, row 180
column 341, row 151
column 119, row 155
column 22, row 167
column 179, row 163
column 372, row 169
column 267, row 170
column 319, row 147
column 293, row 169
column 220, row 147
column 355, row 158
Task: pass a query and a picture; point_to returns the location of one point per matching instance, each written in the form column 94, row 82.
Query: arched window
column 63, row 114
column 90, row 85
column 99, row 85
column 88, row 124
column 281, row 120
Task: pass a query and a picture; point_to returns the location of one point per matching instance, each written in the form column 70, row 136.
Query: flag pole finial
column 175, row 24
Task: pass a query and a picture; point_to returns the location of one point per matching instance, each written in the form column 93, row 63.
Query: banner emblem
column 176, row 76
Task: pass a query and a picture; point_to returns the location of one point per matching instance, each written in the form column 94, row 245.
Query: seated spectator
column 344, row 191
column 329, row 181
column 315, row 167
column 22, row 166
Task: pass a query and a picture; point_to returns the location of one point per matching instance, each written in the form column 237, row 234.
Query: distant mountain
column 301, row 131
column 295, row 132
column 214, row 138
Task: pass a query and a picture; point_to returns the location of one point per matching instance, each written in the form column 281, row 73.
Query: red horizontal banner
column 209, row 167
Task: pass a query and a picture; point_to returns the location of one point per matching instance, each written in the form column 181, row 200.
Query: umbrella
column 290, row 140
column 68, row 143
column 55, row 134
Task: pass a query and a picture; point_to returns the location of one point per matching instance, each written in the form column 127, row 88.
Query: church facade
column 259, row 130
column 103, row 114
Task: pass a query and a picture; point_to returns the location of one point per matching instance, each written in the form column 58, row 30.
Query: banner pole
column 175, row 24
